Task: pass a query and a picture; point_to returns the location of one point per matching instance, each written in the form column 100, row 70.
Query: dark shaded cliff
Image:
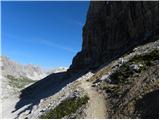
column 114, row 28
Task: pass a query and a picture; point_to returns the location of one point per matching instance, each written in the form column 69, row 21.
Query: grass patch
column 18, row 82
column 65, row 108
column 100, row 73
column 106, row 86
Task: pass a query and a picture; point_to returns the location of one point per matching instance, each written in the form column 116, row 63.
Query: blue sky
column 48, row 34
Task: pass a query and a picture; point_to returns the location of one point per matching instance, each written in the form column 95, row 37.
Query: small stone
column 41, row 100
column 106, row 78
column 121, row 60
column 141, row 65
column 134, row 67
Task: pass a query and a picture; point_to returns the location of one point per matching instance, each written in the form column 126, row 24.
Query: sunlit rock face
column 10, row 67
column 113, row 28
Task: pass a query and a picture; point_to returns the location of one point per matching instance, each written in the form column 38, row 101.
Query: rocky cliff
column 113, row 28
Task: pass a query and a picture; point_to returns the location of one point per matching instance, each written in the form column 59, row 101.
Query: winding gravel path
column 97, row 107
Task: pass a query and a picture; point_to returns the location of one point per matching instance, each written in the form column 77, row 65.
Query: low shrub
column 123, row 73
column 65, row 108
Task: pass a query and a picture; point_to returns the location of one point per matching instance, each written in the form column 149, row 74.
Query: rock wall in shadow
column 113, row 28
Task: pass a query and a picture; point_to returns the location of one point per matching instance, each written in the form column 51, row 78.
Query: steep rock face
column 113, row 28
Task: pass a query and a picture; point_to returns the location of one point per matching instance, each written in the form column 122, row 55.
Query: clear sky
column 48, row 34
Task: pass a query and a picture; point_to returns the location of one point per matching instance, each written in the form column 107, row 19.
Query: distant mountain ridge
column 33, row 72
column 15, row 69
column 16, row 76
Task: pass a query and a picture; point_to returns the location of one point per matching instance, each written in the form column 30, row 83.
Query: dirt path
column 97, row 107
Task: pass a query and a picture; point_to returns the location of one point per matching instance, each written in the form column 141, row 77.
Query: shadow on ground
column 44, row 88
column 148, row 106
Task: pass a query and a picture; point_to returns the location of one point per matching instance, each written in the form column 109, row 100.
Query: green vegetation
column 100, row 73
column 18, row 82
column 106, row 86
column 121, row 76
column 111, row 88
column 147, row 58
column 65, row 108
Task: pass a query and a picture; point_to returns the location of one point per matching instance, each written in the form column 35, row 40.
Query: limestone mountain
column 113, row 28
column 10, row 67
column 33, row 72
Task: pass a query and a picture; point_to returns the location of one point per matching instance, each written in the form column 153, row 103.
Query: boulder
column 134, row 67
